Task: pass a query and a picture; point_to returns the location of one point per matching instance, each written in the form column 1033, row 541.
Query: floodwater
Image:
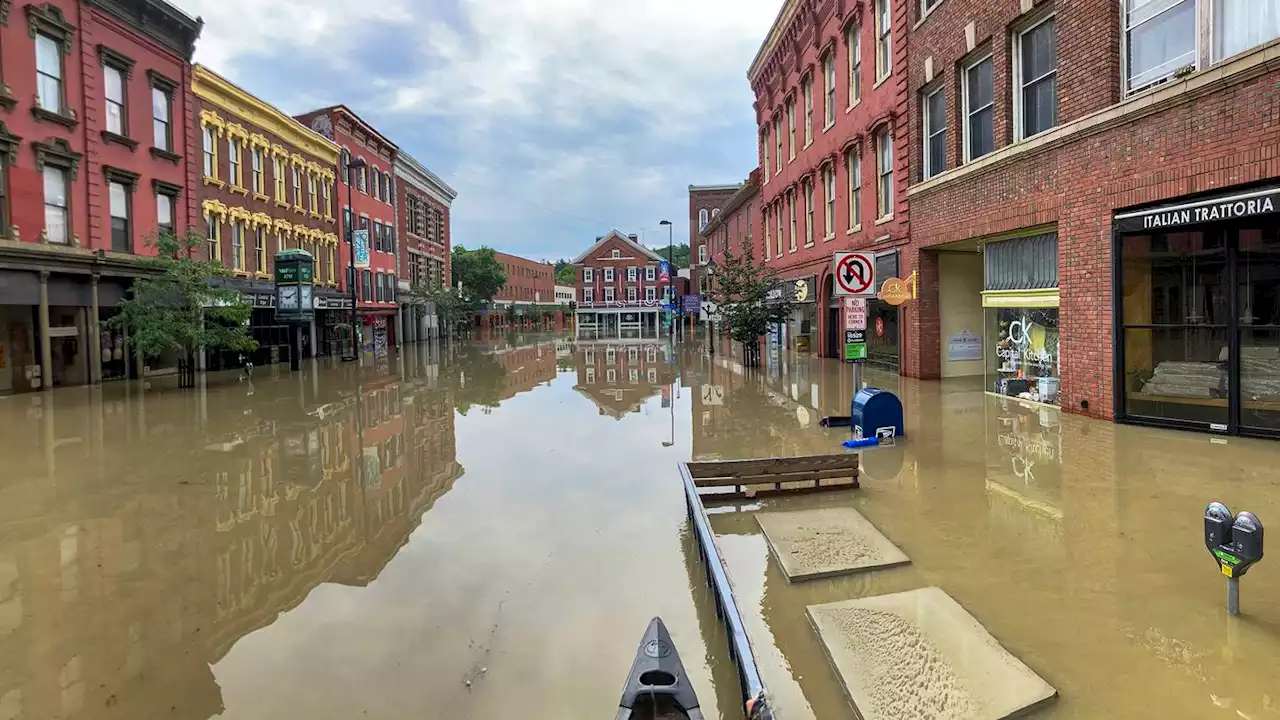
column 484, row 531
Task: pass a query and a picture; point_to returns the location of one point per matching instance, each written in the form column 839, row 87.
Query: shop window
column 884, row 174
column 884, row 50
column 1035, row 68
column 853, row 170
column 979, row 110
column 935, row 132
column 854, row 40
column 1242, row 24
column 1024, row 362
column 1160, row 40
column 806, row 92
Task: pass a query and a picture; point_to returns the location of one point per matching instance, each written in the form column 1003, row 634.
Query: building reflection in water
column 619, row 376
column 142, row 534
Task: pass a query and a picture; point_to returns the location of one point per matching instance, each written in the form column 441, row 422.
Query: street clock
column 295, row 278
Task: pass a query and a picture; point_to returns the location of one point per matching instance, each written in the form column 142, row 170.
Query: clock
column 305, row 298
column 288, row 299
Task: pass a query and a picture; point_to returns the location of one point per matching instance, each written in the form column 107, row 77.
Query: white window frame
column 807, row 91
column 925, row 117
column 588, row 295
column 884, row 198
column 702, row 218
column 608, row 294
column 777, row 137
column 829, row 89
column 652, row 373
column 633, row 354
column 649, row 293
column 1203, row 11
column 779, row 212
column 791, row 129
column 965, row 111
column 631, row 296
column 1019, row 88
column 611, row 376
column 616, row 254
column 591, row 376
column 853, row 167
column 633, row 374
column 608, row 274
column 829, row 200
column 853, row 39
column 808, row 212
column 650, row 273
column 884, row 37
column 702, row 254
column 588, row 274
column 791, row 228
column 631, row 273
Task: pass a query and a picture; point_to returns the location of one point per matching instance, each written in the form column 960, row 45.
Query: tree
column 479, row 272
column 679, row 254
column 183, row 307
column 750, row 299
column 566, row 273
column 451, row 307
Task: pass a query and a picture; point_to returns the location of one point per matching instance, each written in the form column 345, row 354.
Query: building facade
column 620, row 289
column 422, row 208
column 267, row 184
column 530, row 284
column 367, row 197
column 1096, row 192
column 830, row 87
column 95, row 158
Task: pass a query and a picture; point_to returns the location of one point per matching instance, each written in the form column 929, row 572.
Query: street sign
column 855, row 274
column 360, row 246
column 855, row 313
column 855, row 346
column 691, row 304
column 712, row 395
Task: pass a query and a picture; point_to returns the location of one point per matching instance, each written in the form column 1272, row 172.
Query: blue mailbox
column 875, row 413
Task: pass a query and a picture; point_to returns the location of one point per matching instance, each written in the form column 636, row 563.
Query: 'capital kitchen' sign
column 1242, row 205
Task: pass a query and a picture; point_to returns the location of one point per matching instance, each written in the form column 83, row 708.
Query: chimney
column 634, row 237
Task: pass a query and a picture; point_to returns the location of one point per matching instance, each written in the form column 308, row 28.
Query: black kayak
column 657, row 687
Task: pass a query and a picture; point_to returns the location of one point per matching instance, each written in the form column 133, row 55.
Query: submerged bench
column 736, row 479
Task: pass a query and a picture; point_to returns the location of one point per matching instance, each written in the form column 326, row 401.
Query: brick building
column 371, row 189
column 705, row 203
column 530, row 283
column 620, row 289
column 267, row 184
column 95, row 156
column 1096, row 195
column 830, row 87
column 422, row 214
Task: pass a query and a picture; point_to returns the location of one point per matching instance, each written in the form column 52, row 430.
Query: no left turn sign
column 855, row 274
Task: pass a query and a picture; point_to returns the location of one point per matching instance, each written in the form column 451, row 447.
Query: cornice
column 220, row 92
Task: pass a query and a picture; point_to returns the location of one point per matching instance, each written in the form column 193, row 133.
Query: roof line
column 358, row 119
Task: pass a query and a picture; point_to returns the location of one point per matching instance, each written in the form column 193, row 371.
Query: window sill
column 260, row 196
column 807, row 144
column 110, row 137
column 161, row 154
column 262, row 276
column 316, row 215
column 828, row 237
column 881, row 81
column 68, row 121
column 808, row 244
column 214, row 182
column 298, row 209
column 854, row 229
column 828, row 126
column 240, row 274
column 239, row 190
column 331, row 220
column 884, row 219
column 855, row 104
column 281, row 203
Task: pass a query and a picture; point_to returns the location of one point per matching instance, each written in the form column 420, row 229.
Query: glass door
column 1258, row 315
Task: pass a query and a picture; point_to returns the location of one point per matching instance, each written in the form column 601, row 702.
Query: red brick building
column 529, row 283
column 1099, row 227
column 620, row 289
column 830, row 88
column 371, row 189
column 422, row 203
column 267, row 184
column 95, row 155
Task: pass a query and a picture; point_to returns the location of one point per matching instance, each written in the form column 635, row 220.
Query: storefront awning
column 1046, row 298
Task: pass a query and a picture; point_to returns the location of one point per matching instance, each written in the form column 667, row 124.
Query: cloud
column 556, row 120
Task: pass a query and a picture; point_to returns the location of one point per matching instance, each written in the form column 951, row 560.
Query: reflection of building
column 619, row 378
column 526, row 367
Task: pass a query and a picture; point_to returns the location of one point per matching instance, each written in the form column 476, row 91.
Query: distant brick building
column 423, row 201
column 530, row 284
column 620, row 288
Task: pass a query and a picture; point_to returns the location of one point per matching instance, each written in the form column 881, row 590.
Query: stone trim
column 116, row 59
column 58, row 153
column 161, row 81
column 160, row 187
column 119, row 175
column 48, row 19
column 159, row 154
column 9, row 144
column 67, row 121
column 110, row 137
column 5, row 6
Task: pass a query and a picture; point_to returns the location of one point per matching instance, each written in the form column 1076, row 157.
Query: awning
column 1046, row 298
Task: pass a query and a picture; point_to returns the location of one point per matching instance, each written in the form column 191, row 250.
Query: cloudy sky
column 555, row 120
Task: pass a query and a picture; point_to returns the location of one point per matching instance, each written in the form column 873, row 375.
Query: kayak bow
column 657, row 687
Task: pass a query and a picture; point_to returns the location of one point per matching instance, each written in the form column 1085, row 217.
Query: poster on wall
column 964, row 345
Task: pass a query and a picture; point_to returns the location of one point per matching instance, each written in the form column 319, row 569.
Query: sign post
column 854, row 276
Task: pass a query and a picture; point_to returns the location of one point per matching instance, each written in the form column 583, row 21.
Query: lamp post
column 348, row 219
column 671, row 326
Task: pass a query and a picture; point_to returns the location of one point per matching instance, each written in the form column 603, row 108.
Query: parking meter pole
column 1235, row 542
column 1233, row 596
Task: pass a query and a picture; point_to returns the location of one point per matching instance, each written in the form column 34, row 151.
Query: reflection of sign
column 855, row 313
column 360, row 246
column 964, row 345
column 896, row 291
column 879, row 327
column 691, row 304
column 855, row 345
column 712, row 395
column 855, row 274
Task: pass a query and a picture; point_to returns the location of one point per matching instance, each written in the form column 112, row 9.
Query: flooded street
column 484, row 530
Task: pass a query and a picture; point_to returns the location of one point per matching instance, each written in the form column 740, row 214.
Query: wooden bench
column 736, row 479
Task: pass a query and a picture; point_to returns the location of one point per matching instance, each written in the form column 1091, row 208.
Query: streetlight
column 671, row 284
column 349, row 219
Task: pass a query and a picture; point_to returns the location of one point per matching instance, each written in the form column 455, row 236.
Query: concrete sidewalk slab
column 811, row 544
column 918, row 654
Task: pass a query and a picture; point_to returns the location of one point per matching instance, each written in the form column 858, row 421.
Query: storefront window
column 1258, row 278
column 1022, row 358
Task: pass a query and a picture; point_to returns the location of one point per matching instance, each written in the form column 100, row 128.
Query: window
column 118, row 198
column 347, row 224
column 378, row 287
column 297, row 187
column 777, row 135
column 161, row 118
column 213, row 236
column 935, row 132
column 164, row 212
column 778, row 213
column 611, row 376
column 702, row 254
column 631, row 274
column 631, row 296
column 366, row 285
column 829, row 86
column 648, row 294
column 114, row 92
column 979, row 112
column 48, row 73
column 764, row 153
column 210, row 154
column 650, row 272
column 588, row 295
column 829, row 198
column 588, row 274
column 233, row 162
column 884, row 173
column 258, row 179
column 807, row 187
column 333, row 260
column 617, row 254
column 1160, row 38
column 386, row 188
column 311, row 193
column 361, row 173
column 791, row 228
column 884, row 49
column 237, row 245
column 807, row 91
column 768, row 234
column 702, row 221
column 853, row 168
column 4, row 193
column 608, row 294
column 1035, row 68
column 277, row 170
column 325, row 195
column 854, row 41
column 1241, row 24
column 608, row 274
column 926, row 5
column 260, row 250
column 791, row 129
column 56, row 215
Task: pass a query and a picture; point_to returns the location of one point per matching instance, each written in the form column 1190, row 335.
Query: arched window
column 702, row 218
column 715, row 213
column 346, row 161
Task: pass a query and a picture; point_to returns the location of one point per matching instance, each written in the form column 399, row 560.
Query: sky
column 555, row 120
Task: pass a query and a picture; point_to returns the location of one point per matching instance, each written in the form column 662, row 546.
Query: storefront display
column 1023, row 359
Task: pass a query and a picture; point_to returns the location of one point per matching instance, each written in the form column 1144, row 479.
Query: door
column 833, row 333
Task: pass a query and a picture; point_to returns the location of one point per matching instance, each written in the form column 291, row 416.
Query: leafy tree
column 679, row 254
column 451, row 307
column 183, row 308
column 566, row 273
column 479, row 272
column 741, row 290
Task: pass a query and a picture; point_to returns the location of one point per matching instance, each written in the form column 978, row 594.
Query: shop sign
column 262, row 300
column 1260, row 202
column 964, row 345
column 691, row 304
column 802, row 290
column 855, row 346
column 896, row 291
column 332, row 303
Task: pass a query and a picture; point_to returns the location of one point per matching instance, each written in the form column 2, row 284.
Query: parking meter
column 1236, row 545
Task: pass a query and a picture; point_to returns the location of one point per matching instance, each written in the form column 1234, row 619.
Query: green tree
column 183, row 307
column 451, row 307
column 750, row 299
column 479, row 272
column 566, row 273
column 679, row 254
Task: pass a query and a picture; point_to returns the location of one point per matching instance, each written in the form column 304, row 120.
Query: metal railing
column 744, row 661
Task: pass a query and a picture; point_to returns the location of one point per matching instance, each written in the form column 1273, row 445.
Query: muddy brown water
column 484, row 531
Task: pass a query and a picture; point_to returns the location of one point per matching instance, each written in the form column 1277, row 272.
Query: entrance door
column 1257, row 281
column 833, row 332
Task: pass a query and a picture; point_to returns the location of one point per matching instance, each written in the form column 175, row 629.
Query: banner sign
column 360, row 246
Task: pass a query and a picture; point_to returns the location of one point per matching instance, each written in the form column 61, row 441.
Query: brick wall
column 528, row 281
